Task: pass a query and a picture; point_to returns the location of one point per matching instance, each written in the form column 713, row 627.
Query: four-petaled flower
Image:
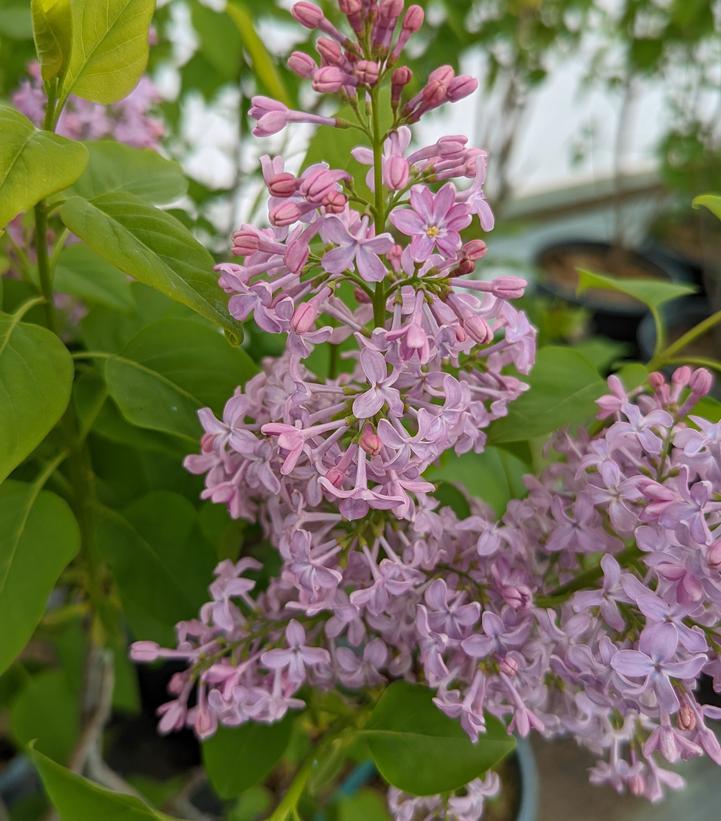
column 296, row 655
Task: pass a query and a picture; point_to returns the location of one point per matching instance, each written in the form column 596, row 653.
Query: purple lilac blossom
column 379, row 581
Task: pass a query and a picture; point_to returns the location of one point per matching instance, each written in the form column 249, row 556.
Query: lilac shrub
column 516, row 617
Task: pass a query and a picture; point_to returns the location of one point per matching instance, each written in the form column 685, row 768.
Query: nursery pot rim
column 631, row 309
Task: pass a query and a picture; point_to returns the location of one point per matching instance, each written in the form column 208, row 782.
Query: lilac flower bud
column 370, row 442
column 283, row 185
column 367, row 72
column 475, row 249
column 396, row 173
column 304, row 318
column 700, row 382
column 302, row 64
column 713, row 555
column 330, row 79
column 335, row 202
column 509, row 666
column 308, row 14
column 686, row 718
column 285, row 214
column 330, row 51
column 413, row 20
column 399, row 80
column 296, row 255
column 353, row 10
column 144, row 651
column 681, row 376
column 245, row 243
column 460, row 87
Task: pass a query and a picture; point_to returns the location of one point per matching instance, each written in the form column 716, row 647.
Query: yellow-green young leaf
column 36, row 376
column 263, row 65
column 710, row 201
column 651, row 292
column 110, row 48
column 77, row 799
column 38, row 537
column 33, row 164
column 52, row 31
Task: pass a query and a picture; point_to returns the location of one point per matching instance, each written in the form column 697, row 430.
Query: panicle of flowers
column 129, row 121
column 378, row 580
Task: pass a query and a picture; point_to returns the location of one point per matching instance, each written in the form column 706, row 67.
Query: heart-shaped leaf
column 421, row 751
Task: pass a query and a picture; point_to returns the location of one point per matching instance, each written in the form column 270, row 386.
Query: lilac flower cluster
column 378, row 581
column 129, row 121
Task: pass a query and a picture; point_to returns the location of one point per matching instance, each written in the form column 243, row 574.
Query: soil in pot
column 614, row 314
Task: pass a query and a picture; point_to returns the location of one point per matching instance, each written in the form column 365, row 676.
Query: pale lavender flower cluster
column 129, row 121
column 378, row 580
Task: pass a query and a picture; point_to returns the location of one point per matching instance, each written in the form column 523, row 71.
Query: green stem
column 334, row 360
column 585, row 579
column 294, row 793
column 685, row 340
column 44, row 272
column 379, row 297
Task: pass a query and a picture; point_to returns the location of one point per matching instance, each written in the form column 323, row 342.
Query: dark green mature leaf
column 652, row 292
column 38, row 537
column 47, row 710
column 495, row 476
column 160, row 568
column 52, row 31
column 110, row 48
column 170, row 370
column 262, row 63
column 114, row 168
column 36, row 374
column 153, row 247
column 420, row 750
column 33, row 164
column 236, row 758
column 563, row 388
column 76, row 798
column 710, row 201
column 82, row 273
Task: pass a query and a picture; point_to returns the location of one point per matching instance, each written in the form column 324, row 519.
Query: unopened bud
column 399, row 80
column 713, row 555
column 686, row 718
column 460, row 87
column 367, row 72
column 335, row 202
column 413, row 20
column 283, row 185
column 302, row 64
column 370, row 441
column 701, row 382
column 308, row 15
column 144, row 651
column 304, row 318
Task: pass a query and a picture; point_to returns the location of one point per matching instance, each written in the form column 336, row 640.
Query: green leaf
column 365, row 805
column 262, row 63
column 33, row 164
column 36, row 374
column 563, row 388
column 420, row 750
column 15, row 21
column 495, row 476
column 110, row 48
column 153, row 247
column 708, row 408
column 220, row 41
column 161, row 569
column 47, row 710
column 652, row 292
column 710, row 201
column 82, row 273
column 38, row 537
column 77, row 798
column 236, row 758
column 114, row 168
column 170, row 370
column 52, row 31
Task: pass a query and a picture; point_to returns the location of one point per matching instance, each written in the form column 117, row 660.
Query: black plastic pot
column 612, row 315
